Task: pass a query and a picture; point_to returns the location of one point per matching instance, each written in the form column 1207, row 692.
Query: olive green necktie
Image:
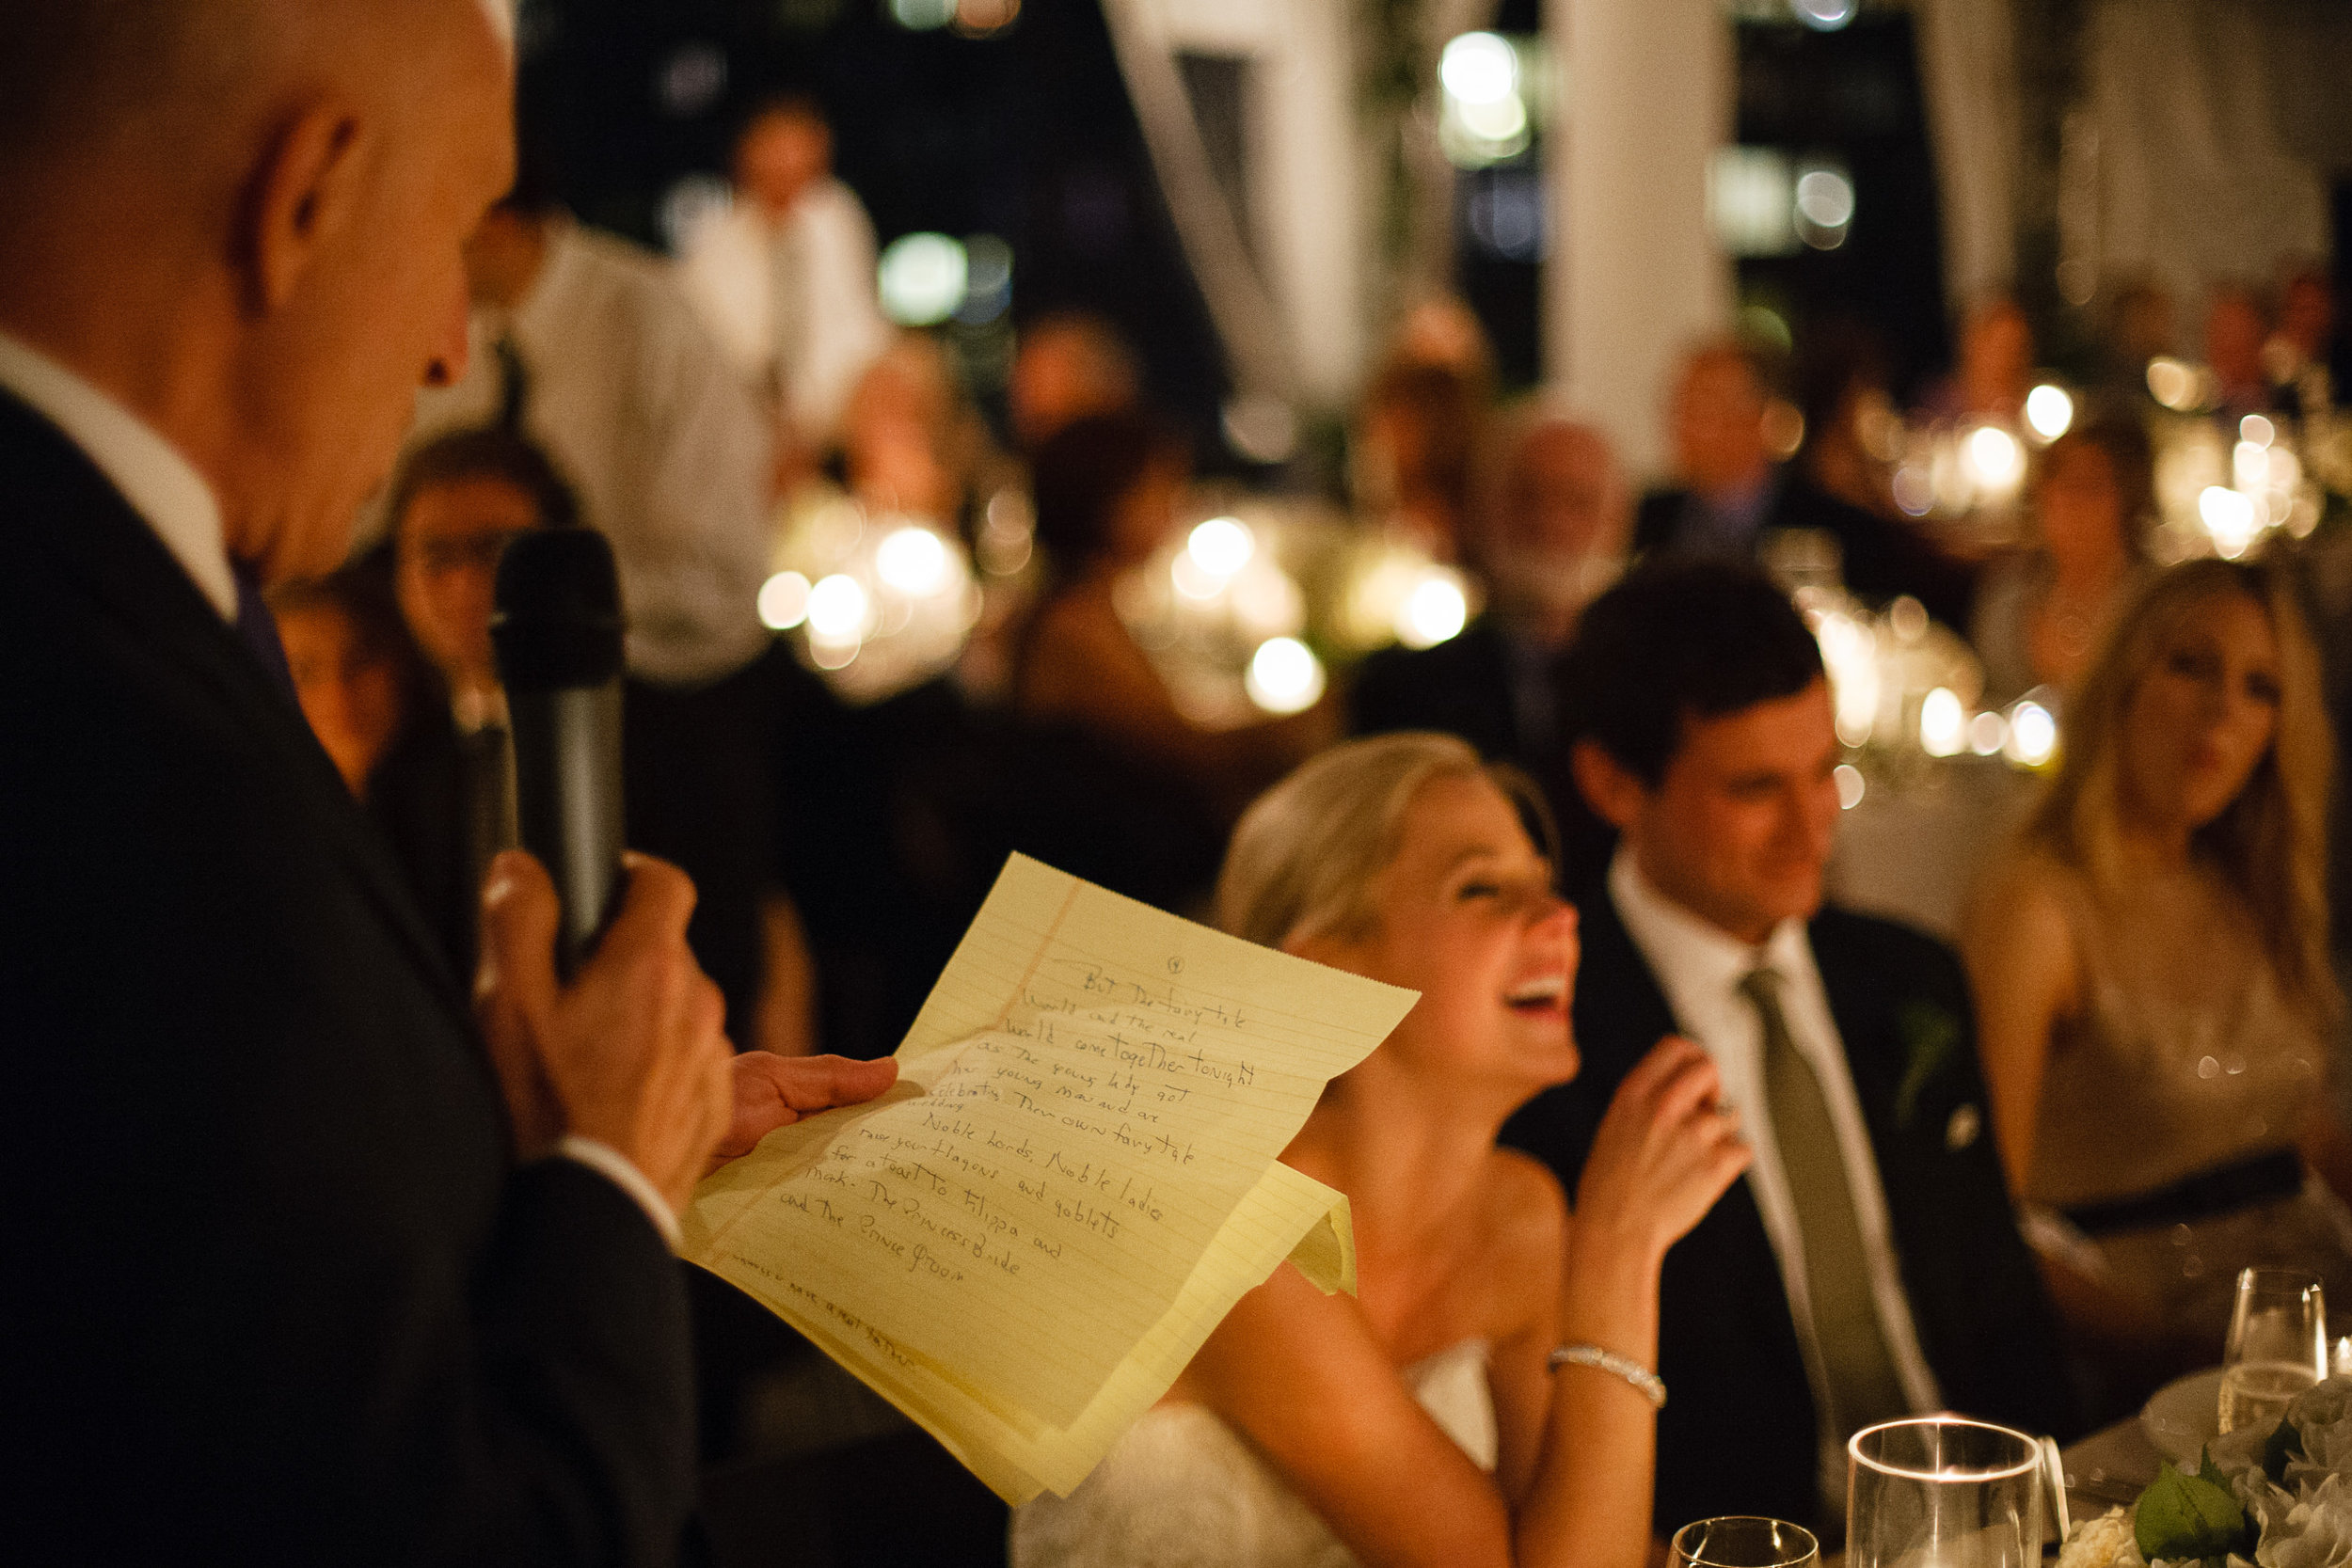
column 1864, row 1387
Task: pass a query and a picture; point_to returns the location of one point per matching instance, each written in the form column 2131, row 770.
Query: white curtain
column 1969, row 75
column 2196, row 186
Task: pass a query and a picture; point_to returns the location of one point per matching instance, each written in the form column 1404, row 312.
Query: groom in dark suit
column 308, row 1263
column 1868, row 1267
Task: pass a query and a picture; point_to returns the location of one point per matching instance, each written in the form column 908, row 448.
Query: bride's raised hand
column 1665, row 1151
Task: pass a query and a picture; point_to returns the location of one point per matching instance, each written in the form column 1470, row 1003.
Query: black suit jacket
column 1463, row 686
column 275, row 1290
column 1739, row 1435
column 1879, row 559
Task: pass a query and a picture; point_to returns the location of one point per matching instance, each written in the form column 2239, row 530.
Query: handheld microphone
column 556, row 626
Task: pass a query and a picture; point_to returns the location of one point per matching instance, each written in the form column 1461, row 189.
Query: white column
column 1309, row 216
column 1634, row 273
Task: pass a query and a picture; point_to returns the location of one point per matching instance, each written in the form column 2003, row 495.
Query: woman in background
column 1107, row 488
column 355, row 672
column 2040, row 612
column 2150, row 962
column 1425, row 1419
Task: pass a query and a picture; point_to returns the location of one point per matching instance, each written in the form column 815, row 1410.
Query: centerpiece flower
column 2281, row 1498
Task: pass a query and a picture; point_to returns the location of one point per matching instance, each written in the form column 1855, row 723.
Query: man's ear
column 303, row 195
column 1614, row 791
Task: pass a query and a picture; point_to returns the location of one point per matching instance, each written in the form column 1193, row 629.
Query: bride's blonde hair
column 1305, row 856
column 2271, row 841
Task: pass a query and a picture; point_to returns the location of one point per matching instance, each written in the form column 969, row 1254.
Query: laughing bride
column 1487, row 1398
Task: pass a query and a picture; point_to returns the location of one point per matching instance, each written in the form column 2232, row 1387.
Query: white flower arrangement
column 2281, row 1498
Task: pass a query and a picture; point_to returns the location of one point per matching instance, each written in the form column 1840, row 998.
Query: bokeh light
column 2032, row 734
column 784, row 601
column 1988, row 731
column 2228, row 517
column 1436, row 610
column 1994, row 456
column 1479, row 69
column 912, row 559
column 1824, row 207
column 1220, row 546
column 1285, row 676
column 922, row 16
column 1943, row 723
column 1851, row 785
column 2049, row 411
column 839, row 609
column 922, row 278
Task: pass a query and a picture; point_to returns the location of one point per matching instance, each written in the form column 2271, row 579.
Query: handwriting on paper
column 1090, row 1093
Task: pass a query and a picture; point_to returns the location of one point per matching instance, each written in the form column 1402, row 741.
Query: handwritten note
column 1024, row 1243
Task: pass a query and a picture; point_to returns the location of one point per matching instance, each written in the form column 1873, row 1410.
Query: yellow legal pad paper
column 1025, row 1242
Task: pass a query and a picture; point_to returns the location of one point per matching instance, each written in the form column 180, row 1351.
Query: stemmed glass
column 2278, row 1346
column 1745, row 1542
column 1941, row 1492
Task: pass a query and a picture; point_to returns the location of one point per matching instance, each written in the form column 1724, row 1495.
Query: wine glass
column 1942, row 1491
column 2278, row 1346
column 1743, row 1541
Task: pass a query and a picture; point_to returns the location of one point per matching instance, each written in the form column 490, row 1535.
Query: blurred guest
column 1425, row 1419
column 1870, row 1267
column 2140, row 324
column 445, row 794
column 352, row 664
column 1065, row 366
column 1107, row 490
column 784, row 278
column 1412, row 456
column 2150, row 968
column 1731, row 501
column 2235, row 329
column 1552, row 522
column 2305, row 341
column 2040, row 612
column 1443, row 331
column 587, row 348
column 910, row 441
column 1994, row 372
column 1849, row 418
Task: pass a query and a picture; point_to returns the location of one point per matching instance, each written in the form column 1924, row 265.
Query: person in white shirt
column 582, row 342
column 784, row 278
column 1870, row 1267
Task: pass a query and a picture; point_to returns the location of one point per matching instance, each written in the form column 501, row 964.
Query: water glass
column 2278, row 1346
column 1944, row 1492
column 1741, row 1542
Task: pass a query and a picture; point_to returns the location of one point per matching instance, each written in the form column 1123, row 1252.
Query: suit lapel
column 68, row 522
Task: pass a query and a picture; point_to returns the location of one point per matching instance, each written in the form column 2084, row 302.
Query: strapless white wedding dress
column 1184, row 1490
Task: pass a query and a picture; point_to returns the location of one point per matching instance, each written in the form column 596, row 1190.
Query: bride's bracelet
column 1653, row 1388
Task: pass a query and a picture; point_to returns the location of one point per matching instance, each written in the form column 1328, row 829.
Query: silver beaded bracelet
column 1653, row 1388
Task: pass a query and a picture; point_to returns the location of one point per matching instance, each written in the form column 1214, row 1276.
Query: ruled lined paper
column 1026, row 1240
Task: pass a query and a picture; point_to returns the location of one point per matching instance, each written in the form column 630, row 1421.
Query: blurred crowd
column 879, row 640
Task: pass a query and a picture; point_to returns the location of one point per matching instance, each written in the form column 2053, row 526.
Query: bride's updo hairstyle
column 1303, row 861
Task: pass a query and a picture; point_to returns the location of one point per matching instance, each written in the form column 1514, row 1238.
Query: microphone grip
column 567, row 804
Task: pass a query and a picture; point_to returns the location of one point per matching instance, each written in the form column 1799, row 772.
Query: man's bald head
column 240, row 218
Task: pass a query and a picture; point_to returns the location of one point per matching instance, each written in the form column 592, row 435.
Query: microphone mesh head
column 556, row 620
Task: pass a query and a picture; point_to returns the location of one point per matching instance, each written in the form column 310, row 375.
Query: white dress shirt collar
column 1701, row 954
column 162, row 487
